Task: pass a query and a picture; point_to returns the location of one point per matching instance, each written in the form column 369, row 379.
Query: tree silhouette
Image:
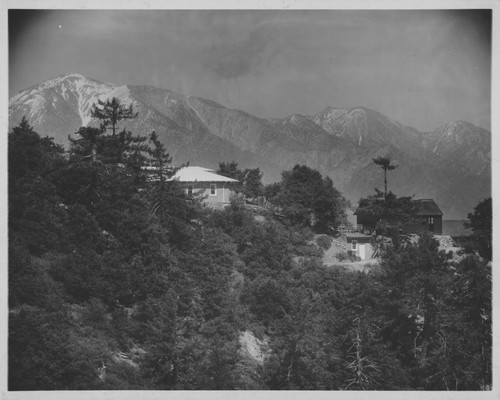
column 480, row 221
column 93, row 140
column 306, row 198
column 385, row 164
column 250, row 180
column 85, row 146
column 160, row 160
column 110, row 112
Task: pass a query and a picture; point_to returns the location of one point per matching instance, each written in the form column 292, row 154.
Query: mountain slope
column 451, row 164
column 59, row 106
column 459, row 137
column 365, row 127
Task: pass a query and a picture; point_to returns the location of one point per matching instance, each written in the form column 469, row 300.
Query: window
column 190, row 190
column 431, row 224
column 354, row 245
column 213, row 188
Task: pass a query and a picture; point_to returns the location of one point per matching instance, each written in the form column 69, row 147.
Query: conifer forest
column 119, row 279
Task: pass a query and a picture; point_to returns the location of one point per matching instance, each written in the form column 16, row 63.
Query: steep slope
column 170, row 104
column 451, row 164
column 241, row 129
column 365, row 127
column 302, row 132
column 471, row 143
column 461, row 155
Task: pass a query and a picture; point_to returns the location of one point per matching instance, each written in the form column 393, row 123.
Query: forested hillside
column 121, row 282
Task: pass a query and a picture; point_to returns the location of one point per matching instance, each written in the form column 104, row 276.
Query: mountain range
column 451, row 164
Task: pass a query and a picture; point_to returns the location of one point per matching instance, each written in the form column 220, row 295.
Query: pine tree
column 86, row 146
column 160, row 160
column 385, row 164
column 419, row 280
column 481, row 223
column 117, row 148
column 249, row 180
column 111, row 112
column 28, row 152
column 125, row 148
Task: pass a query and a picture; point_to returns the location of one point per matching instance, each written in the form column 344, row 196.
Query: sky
column 422, row 68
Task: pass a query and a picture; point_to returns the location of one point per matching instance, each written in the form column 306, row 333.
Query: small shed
column 360, row 245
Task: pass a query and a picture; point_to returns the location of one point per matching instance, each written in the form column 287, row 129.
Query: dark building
column 428, row 217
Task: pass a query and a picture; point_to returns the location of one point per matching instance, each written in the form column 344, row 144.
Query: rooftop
column 357, row 235
column 427, row 207
column 200, row 174
column 423, row 206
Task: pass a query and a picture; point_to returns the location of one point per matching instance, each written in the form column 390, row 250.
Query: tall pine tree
column 111, row 112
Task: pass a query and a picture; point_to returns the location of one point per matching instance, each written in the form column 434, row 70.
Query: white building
column 214, row 188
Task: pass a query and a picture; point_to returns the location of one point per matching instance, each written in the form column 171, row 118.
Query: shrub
column 343, row 255
column 324, row 241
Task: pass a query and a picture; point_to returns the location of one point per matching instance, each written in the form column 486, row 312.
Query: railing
column 350, row 228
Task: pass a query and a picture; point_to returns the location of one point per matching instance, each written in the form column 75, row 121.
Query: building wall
column 423, row 225
column 438, row 225
column 360, row 246
column 369, row 250
column 363, row 250
column 222, row 192
column 366, row 220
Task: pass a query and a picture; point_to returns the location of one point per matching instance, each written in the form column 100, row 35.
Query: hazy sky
column 421, row 68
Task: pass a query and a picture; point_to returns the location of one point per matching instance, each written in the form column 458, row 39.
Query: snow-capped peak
column 76, row 89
